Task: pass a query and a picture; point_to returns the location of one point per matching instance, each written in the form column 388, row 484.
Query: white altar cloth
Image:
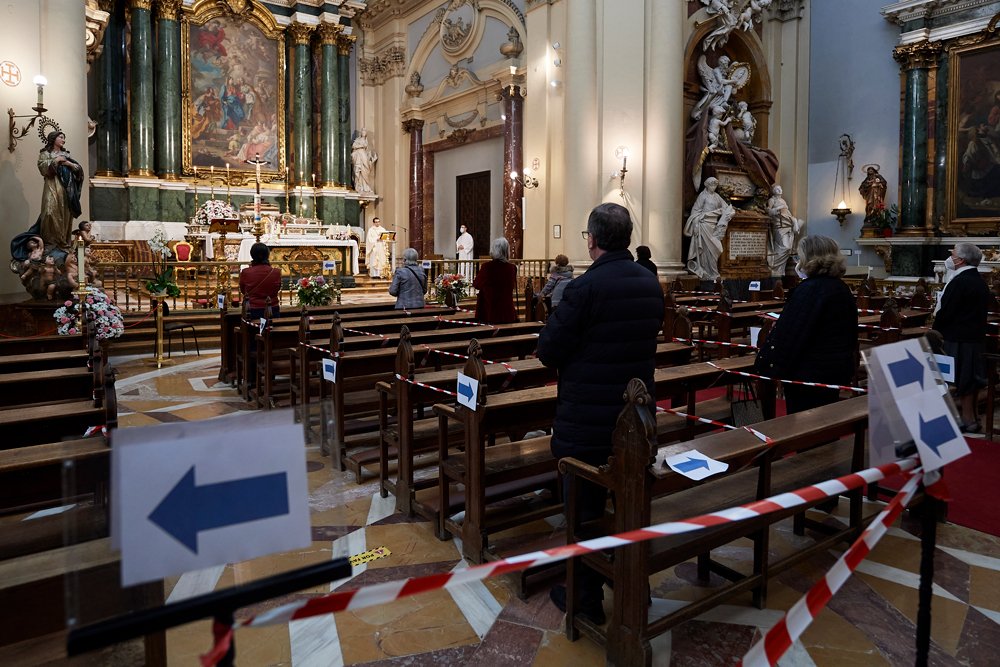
column 285, row 241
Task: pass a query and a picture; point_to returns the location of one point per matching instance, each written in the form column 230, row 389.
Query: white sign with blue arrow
column 190, row 495
column 330, row 370
column 695, row 465
column 468, row 390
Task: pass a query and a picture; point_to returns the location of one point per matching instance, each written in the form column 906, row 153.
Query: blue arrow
column 907, row 370
column 188, row 509
column 936, row 432
column 465, row 390
column 691, row 464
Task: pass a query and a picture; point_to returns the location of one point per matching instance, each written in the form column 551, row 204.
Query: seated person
column 260, row 281
column 559, row 276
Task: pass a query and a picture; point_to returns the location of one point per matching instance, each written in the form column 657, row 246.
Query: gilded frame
column 970, row 95
column 255, row 25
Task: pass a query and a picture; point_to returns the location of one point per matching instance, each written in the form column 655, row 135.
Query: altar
column 343, row 251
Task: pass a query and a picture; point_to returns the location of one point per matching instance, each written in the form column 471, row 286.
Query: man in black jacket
column 961, row 320
column 603, row 334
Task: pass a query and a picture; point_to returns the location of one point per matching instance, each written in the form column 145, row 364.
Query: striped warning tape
column 426, row 386
column 385, row 339
column 729, row 427
column 779, row 638
column 510, row 369
column 859, row 390
column 390, row 591
column 713, row 342
column 876, row 326
column 468, row 323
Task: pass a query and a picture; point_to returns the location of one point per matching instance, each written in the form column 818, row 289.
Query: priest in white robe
column 376, row 251
column 464, row 246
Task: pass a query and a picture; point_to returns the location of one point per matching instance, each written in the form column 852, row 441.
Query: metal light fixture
column 845, row 169
column 526, row 180
column 621, row 153
column 39, row 108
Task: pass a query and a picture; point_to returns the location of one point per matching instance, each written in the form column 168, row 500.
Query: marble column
column 168, row 89
column 141, row 89
column 915, row 59
column 513, row 160
column 301, row 104
column 664, row 139
column 111, row 101
column 329, row 173
column 344, row 44
column 582, row 188
column 415, row 127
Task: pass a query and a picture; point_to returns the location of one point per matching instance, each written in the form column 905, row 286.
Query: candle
column 211, row 179
column 229, row 196
column 314, row 194
column 79, row 262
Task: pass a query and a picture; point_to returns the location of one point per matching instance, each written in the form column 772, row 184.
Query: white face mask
column 949, row 264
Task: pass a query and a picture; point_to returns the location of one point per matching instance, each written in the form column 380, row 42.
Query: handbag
column 747, row 410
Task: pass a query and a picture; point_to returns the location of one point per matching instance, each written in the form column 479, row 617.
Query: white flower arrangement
column 105, row 317
column 214, row 209
column 158, row 242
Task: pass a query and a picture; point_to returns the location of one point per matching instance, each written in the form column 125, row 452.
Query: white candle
column 79, row 262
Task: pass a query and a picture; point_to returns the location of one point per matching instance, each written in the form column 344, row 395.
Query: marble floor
column 870, row 622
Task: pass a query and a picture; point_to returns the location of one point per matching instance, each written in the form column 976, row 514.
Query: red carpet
column 973, row 482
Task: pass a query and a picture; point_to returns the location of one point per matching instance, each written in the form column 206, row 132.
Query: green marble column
column 329, row 135
column 168, row 90
column 141, row 89
column 344, row 44
column 301, row 104
column 110, row 75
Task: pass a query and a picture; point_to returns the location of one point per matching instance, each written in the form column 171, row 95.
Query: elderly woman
column 260, row 281
column 409, row 282
column 496, row 282
column 816, row 337
column 559, row 278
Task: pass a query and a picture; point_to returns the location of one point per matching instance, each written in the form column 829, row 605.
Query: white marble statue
column 376, row 251
column 716, row 85
column 746, row 124
column 732, row 15
column 363, row 157
column 784, row 229
column 718, row 120
column 707, row 226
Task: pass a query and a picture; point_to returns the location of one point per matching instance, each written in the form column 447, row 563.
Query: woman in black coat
column 816, row 337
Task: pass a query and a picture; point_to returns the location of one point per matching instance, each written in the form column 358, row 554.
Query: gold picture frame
column 232, row 90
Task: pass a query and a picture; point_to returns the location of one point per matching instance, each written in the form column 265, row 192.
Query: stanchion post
column 928, row 540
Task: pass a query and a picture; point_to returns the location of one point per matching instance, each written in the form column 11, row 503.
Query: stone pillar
column 301, row 104
column 416, row 129
column 329, row 172
column 168, row 86
column 664, row 139
column 141, row 90
column 915, row 60
column 111, row 105
column 582, row 183
column 344, row 44
column 513, row 160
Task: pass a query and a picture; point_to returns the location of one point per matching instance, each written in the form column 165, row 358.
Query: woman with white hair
column 409, row 282
column 496, row 282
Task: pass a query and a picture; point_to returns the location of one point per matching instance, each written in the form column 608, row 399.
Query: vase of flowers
column 315, row 291
column 451, row 284
column 884, row 219
column 105, row 317
column 162, row 282
column 214, row 209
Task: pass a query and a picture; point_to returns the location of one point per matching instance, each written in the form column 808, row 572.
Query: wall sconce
column 527, row 182
column 39, row 109
column 845, row 169
column 622, row 154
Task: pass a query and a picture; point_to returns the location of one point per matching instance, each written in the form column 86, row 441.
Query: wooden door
column 472, row 209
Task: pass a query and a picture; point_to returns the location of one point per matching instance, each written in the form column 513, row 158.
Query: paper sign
column 425, row 264
column 468, row 390
column 774, row 316
column 695, row 465
column 754, row 285
column 190, row 495
column 754, row 335
column 263, row 323
column 330, row 370
column 329, row 265
column 221, row 300
column 946, row 365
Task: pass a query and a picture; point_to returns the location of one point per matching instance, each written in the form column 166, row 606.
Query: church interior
column 418, row 525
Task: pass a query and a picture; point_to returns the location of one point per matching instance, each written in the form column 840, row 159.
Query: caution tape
column 426, row 386
column 391, row 591
column 369, row 556
column 714, row 342
column 385, row 339
column 729, row 427
column 95, row 430
column 510, row 369
column 877, row 326
column 859, row 390
column 779, row 638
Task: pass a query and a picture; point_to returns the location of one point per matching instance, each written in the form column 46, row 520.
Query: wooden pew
column 32, row 476
column 647, row 493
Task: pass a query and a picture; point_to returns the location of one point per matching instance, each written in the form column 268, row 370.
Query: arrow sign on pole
column 906, row 371
column 936, row 432
column 691, row 464
column 189, row 509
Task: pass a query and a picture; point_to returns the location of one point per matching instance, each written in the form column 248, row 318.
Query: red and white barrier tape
column 324, row 350
column 713, row 342
column 426, row 386
column 877, row 326
column 870, row 311
column 95, row 430
column 729, row 427
column 859, row 390
column 510, row 369
column 385, row 339
column 391, row 591
column 779, row 638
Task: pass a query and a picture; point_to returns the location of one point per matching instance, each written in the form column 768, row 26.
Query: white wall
column 469, row 159
column 47, row 37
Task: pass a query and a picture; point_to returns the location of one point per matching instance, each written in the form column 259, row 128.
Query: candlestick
column 314, row 195
column 79, row 262
column 300, row 201
column 229, row 196
column 211, row 180
column 288, row 199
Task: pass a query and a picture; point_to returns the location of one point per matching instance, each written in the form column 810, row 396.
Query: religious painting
column 974, row 139
column 234, row 92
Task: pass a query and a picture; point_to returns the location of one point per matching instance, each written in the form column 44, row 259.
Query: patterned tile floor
column 870, row 622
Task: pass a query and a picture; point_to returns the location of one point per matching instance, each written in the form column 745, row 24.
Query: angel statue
column 716, row 84
column 745, row 125
column 733, row 15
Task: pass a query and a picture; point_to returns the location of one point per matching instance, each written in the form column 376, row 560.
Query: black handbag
column 748, row 409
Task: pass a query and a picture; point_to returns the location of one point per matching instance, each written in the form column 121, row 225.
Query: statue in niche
column 718, row 120
column 716, row 84
column 363, row 158
column 873, row 189
column 784, row 229
column 454, row 32
column 732, row 15
column 415, row 87
column 707, row 226
column 746, row 124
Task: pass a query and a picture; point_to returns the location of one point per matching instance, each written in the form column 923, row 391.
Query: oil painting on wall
column 234, row 77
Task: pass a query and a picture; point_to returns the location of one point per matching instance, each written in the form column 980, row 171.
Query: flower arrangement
column 453, row 283
column 315, row 291
column 105, row 316
column 883, row 218
column 214, row 209
column 162, row 281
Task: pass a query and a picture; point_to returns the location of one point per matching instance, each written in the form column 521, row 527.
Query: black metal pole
column 928, row 538
column 218, row 605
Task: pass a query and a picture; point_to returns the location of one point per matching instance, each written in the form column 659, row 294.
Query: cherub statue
column 88, row 269
column 746, row 123
column 83, row 231
column 715, row 83
column 47, row 276
column 718, row 120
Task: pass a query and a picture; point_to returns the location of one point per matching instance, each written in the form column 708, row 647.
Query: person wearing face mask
column 464, row 245
column 961, row 320
column 816, row 337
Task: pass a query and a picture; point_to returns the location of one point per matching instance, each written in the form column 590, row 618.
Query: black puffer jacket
column 603, row 334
